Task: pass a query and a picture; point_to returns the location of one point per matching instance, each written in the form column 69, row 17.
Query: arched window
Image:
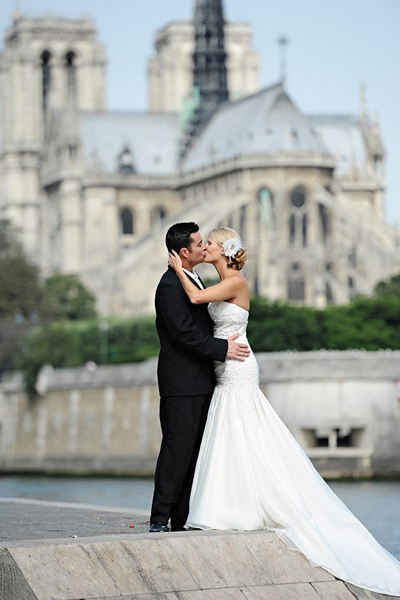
column 70, row 66
column 298, row 218
column 46, row 78
column 296, row 284
column 323, row 222
column 292, row 230
column 159, row 213
column 127, row 222
column 304, row 223
column 266, row 207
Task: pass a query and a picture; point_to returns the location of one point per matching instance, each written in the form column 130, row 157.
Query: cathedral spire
column 209, row 64
column 209, row 58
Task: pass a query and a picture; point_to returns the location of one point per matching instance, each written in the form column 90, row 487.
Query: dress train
column 251, row 474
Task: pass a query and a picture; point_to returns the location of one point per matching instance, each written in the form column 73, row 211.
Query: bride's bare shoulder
column 238, row 283
column 242, row 280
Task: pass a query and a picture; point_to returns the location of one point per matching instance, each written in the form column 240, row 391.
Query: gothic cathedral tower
column 209, row 66
column 209, row 58
column 47, row 65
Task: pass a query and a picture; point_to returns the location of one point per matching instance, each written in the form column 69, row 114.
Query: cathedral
column 91, row 192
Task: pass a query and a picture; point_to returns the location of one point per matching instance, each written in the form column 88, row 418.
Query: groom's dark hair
column 179, row 236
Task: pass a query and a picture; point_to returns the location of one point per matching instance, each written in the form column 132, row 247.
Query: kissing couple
column 227, row 461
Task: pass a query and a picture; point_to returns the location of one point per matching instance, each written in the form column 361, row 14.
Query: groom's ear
column 183, row 252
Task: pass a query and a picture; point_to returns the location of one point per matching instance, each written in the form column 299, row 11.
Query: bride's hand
column 174, row 261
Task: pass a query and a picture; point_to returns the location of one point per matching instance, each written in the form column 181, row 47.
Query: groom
column 185, row 379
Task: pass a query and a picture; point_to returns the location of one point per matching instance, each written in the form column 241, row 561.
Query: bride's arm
column 224, row 290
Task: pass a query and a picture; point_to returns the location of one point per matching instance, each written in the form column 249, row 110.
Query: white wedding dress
column 252, row 474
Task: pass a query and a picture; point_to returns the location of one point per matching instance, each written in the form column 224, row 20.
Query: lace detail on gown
column 252, row 474
column 228, row 319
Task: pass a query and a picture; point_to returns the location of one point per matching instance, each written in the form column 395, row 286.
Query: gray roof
column 343, row 135
column 153, row 140
column 265, row 123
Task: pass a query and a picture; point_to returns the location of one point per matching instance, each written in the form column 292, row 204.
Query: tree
column 390, row 287
column 274, row 327
column 367, row 323
column 21, row 296
column 68, row 299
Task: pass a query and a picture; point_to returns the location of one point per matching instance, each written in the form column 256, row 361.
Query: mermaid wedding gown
column 251, row 474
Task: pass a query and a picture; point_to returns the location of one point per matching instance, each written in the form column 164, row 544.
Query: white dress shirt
column 195, row 277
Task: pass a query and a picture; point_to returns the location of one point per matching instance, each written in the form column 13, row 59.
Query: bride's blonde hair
column 221, row 235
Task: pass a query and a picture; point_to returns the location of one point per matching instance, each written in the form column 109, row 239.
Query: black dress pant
column 182, row 423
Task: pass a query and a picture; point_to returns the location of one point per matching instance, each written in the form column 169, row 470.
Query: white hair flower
column 232, row 246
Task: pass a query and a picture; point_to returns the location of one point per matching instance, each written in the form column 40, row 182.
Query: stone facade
column 47, row 64
column 92, row 191
column 170, row 70
column 342, row 407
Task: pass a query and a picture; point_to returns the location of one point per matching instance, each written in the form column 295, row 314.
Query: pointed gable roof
column 265, row 123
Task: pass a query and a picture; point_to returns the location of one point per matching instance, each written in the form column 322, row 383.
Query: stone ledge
column 190, row 566
column 332, row 365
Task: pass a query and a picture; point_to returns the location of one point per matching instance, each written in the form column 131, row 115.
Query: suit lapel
column 193, row 280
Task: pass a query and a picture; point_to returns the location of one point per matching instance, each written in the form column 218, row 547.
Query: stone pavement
column 35, row 520
column 41, row 559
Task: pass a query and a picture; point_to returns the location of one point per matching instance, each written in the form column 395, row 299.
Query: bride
column 251, row 473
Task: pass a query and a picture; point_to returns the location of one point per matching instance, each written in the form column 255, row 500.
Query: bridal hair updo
column 221, row 235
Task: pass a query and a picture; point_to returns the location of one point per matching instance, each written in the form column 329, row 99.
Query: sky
column 335, row 47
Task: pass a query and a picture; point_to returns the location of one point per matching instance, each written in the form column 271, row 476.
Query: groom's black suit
column 186, row 382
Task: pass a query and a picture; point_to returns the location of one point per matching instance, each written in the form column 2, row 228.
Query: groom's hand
column 237, row 351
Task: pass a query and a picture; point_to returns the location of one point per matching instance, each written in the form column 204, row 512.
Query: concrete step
column 192, row 565
column 115, row 558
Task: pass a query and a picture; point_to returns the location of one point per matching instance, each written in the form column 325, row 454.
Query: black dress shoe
column 158, row 528
column 178, row 529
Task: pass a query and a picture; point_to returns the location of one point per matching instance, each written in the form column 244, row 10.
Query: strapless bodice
column 228, row 319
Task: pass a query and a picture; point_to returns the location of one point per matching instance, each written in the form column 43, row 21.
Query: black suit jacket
column 188, row 349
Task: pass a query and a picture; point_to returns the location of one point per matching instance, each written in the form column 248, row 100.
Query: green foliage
column 391, row 287
column 56, row 344
column 73, row 344
column 274, row 327
column 21, row 297
column 25, row 301
column 132, row 341
column 20, row 289
column 67, row 298
column 367, row 323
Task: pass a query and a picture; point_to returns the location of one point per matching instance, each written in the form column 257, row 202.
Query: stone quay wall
column 342, row 407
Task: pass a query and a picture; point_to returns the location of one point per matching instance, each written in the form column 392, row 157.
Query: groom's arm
column 172, row 308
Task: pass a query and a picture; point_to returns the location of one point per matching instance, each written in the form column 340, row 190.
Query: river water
column 375, row 503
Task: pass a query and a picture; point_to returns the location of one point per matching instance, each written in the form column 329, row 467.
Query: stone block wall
column 342, row 407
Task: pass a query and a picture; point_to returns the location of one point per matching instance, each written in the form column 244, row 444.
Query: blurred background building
column 92, row 192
